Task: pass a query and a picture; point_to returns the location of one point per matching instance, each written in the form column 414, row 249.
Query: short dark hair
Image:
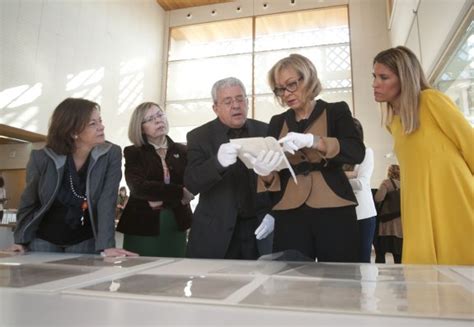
column 69, row 118
column 2, row 182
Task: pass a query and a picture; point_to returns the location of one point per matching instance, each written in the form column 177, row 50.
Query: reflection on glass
column 31, row 274
column 201, row 287
column 391, row 298
column 98, row 261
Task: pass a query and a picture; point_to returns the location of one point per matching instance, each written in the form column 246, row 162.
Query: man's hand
column 265, row 228
column 227, row 154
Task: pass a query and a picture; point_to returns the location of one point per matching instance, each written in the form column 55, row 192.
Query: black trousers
column 327, row 234
column 243, row 244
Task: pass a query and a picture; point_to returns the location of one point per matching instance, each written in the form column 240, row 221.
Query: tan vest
column 311, row 189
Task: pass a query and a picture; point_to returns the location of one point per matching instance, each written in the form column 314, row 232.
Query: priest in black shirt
column 230, row 216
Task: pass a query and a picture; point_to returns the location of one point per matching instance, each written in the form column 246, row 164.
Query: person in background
column 3, row 197
column 315, row 216
column 359, row 178
column 122, row 200
column 389, row 236
column 157, row 214
column 433, row 144
column 228, row 220
column 68, row 204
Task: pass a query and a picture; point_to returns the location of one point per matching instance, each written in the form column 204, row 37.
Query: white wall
column 108, row 51
column 369, row 35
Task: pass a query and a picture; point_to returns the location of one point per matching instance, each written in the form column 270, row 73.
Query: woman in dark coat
column 157, row 214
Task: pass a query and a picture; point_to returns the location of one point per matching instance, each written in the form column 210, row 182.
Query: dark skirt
column 170, row 243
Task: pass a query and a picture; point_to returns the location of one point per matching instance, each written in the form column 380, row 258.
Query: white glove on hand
column 295, row 141
column 227, row 154
column 265, row 163
column 265, row 228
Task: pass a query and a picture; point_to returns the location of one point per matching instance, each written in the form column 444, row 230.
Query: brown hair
column 393, row 172
column 404, row 63
column 69, row 118
column 304, row 68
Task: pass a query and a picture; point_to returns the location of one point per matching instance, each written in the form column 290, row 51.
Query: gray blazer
column 43, row 179
column 216, row 213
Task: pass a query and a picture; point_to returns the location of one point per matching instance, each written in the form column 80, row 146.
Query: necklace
column 84, row 204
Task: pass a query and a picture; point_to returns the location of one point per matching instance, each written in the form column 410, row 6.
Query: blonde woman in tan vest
column 315, row 216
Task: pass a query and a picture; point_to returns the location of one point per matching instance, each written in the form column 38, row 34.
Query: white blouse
column 361, row 186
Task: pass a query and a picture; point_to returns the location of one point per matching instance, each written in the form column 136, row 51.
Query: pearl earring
column 75, row 137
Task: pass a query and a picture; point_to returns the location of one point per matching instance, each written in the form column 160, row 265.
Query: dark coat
column 215, row 215
column 144, row 176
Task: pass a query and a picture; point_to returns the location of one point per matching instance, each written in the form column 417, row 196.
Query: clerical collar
column 235, row 133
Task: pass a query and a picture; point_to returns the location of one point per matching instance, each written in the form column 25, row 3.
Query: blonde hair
column 135, row 130
column 403, row 63
column 304, row 68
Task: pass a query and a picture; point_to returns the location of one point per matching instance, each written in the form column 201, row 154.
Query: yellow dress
column 437, row 184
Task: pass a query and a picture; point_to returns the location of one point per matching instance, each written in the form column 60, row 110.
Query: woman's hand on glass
column 18, row 248
column 116, row 252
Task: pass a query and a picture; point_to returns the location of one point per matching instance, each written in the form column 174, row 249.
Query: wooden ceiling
column 180, row 4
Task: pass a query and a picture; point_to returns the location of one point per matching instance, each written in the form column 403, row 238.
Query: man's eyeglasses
column 158, row 115
column 229, row 101
column 290, row 87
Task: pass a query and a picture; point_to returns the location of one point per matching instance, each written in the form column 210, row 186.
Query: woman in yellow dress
column 434, row 147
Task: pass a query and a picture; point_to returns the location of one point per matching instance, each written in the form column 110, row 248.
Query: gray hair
column 226, row 82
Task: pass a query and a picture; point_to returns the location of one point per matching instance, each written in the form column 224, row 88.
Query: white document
column 254, row 145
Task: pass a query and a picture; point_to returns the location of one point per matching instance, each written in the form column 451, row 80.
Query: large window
column 457, row 77
column 247, row 48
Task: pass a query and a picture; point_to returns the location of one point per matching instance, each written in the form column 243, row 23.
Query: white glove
column 295, row 141
column 227, row 154
column 265, row 162
column 265, row 228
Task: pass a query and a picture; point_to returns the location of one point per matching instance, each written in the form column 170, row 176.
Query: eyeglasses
column 229, row 101
column 290, row 87
column 158, row 115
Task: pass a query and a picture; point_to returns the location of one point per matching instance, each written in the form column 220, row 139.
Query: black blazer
column 215, row 215
column 338, row 124
column 144, row 176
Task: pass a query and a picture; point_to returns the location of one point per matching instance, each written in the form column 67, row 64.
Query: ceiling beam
column 21, row 134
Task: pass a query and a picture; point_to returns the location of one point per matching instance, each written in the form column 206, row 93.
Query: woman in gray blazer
column 68, row 204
